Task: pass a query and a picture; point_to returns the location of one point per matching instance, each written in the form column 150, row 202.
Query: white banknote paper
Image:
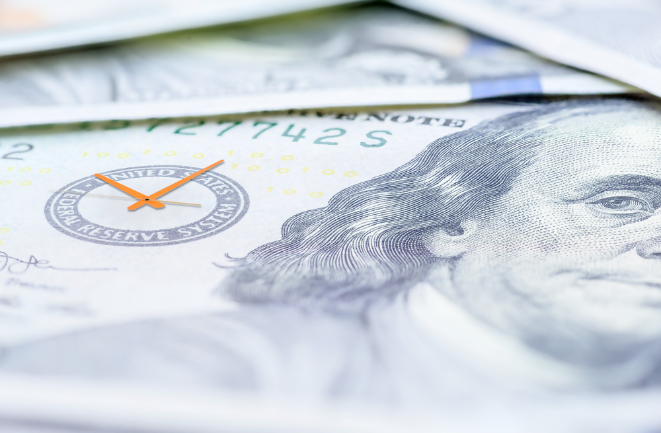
column 473, row 268
column 28, row 26
column 366, row 57
column 620, row 39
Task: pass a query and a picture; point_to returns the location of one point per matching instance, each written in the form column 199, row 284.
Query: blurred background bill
column 368, row 56
column 617, row 38
column 28, row 26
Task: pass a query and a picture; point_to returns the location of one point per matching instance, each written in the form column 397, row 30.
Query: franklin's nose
column 650, row 249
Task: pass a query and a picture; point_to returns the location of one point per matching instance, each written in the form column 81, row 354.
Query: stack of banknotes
column 320, row 216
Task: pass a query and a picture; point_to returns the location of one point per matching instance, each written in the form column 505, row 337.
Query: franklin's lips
column 623, row 291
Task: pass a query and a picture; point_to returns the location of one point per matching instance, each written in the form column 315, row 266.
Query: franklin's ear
column 448, row 242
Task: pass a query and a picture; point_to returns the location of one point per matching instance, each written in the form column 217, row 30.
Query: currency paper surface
column 365, row 57
column 619, row 39
column 475, row 267
column 29, row 26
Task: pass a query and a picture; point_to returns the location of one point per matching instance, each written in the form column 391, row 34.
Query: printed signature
column 15, row 265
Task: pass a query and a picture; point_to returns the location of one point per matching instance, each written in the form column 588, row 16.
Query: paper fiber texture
column 29, row 26
column 619, row 39
column 372, row 56
column 467, row 267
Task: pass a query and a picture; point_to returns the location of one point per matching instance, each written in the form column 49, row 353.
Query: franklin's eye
column 622, row 205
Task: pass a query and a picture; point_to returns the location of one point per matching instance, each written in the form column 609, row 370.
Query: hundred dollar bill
column 470, row 268
column 374, row 56
column 619, row 39
column 29, row 26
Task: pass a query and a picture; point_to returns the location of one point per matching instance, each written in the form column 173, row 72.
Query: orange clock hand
column 167, row 189
column 133, row 193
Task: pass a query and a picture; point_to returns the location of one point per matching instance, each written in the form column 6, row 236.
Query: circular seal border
column 53, row 220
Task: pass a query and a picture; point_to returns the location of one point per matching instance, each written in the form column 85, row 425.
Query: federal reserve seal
column 94, row 211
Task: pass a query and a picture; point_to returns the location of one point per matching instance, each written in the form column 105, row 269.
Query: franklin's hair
column 368, row 244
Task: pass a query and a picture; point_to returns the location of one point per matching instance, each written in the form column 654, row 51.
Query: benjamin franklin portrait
column 523, row 252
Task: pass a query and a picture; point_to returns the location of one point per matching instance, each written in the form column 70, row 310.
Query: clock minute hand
column 133, row 193
column 157, row 194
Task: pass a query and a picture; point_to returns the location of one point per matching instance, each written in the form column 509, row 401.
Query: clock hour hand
column 167, row 189
column 133, row 193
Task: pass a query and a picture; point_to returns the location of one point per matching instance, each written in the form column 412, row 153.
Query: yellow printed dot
column 5, row 182
column 328, row 172
column 287, row 157
column 282, row 170
column 25, row 169
column 44, row 170
column 170, row 153
column 198, row 155
column 25, row 183
column 123, row 155
column 4, row 229
column 1, row 242
column 102, row 154
column 316, row 194
column 289, row 191
column 351, row 174
column 257, row 155
column 253, row 168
